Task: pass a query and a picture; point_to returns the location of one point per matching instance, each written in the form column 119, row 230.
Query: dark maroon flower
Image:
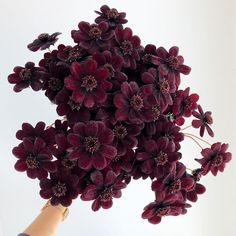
column 43, row 41
column 131, row 104
column 192, row 193
column 73, row 111
column 23, row 77
column 38, row 131
column 184, row 104
column 204, row 119
column 214, row 158
column 92, row 145
column 111, row 16
column 125, row 137
column 93, row 37
column 61, row 127
column 103, row 188
column 124, row 162
column 88, row 83
column 128, row 46
column 157, row 159
column 61, row 188
column 174, row 182
column 34, row 158
column 158, row 87
column 70, row 54
column 114, row 64
column 48, row 59
column 170, row 64
column 165, row 206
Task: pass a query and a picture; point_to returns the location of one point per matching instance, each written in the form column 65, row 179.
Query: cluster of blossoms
column 122, row 112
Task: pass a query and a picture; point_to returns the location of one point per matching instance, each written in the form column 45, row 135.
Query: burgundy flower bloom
column 214, row 158
column 88, row 83
column 125, row 137
column 174, row 182
column 158, row 87
column 131, row 104
column 93, row 37
column 114, row 64
column 73, row 111
column 165, row 206
column 203, row 122
column 157, row 159
column 48, row 59
column 111, row 16
column 92, row 145
column 43, row 41
column 70, row 54
column 61, row 127
column 192, row 193
column 184, row 104
column 38, row 131
column 170, row 64
column 104, row 187
column 61, row 188
column 128, row 46
column 23, row 77
column 34, row 158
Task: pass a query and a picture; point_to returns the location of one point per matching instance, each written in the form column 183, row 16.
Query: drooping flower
column 92, row 143
column 34, row 158
column 128, row 46
column 214, row 158
column 104, row 187
column 62, row 188
column 43, row 41
column 165, row 206
column 23, row 77
column 204, row 119
column 111, row 16
column 170, row 64
column 88, row 83
column 94, row 37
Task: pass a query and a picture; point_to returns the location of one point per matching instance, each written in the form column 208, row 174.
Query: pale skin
column 47, row 222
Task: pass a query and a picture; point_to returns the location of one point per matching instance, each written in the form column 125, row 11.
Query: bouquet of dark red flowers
column 122, row 113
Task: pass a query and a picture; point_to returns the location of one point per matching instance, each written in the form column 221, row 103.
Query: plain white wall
column 204, row 30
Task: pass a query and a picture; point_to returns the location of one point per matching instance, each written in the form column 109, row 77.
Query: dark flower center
column 95, row 33
column 175, row 186
column 186, row 103
column 89, row 83
column 106, row 195
column 173, row 62
column 127, row 47
column 91, row 144
column 59, row 190
column 112, row 13
column 32, row 162
column 25, row 74
column 164, row 86
column 55, row 84
column 161, row 158
column 43, row 37
column 136, row 102
column 116, row 159
column 155, row 112
column 120, row 131
column 147, row 58
column 164, row 211
column 110, row 69
column 68, row 163
column 217, row 161
column 197, row 174
column 74, row 54
column 73, row 105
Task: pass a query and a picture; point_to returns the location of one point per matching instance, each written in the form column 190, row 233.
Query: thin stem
column 186, row 127
column 194, row 140
column 198, row 138
column 49, row 50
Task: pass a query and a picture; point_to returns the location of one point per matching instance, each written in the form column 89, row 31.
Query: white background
column 203, row 30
